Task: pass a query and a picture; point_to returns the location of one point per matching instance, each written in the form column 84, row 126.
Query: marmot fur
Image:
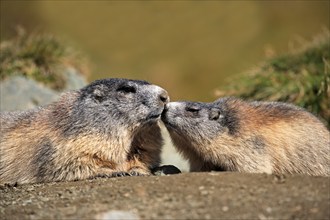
column 234, row 135
column 108, row 128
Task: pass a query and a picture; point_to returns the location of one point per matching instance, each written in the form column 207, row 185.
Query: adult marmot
column 108, row 128
column 233, row 135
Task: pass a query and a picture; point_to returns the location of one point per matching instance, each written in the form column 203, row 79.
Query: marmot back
column 108, row 128
column 233, row 135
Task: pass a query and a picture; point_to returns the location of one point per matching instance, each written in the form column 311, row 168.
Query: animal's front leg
column 139, row 171
column 135, row 167
column 130, row 167
column 133, row 171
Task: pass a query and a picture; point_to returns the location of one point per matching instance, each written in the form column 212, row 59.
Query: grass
column 41, row 57
column 301, row 77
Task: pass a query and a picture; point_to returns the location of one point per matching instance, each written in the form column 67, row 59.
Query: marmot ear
column 99, row 93
column 214, row 114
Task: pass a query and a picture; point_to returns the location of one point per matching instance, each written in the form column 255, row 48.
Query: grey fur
column 233, row 135
column 107, row 127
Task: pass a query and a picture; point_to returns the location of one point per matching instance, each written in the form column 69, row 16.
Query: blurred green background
column 188, row 47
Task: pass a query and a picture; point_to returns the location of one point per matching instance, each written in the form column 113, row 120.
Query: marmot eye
column 126, row 89
column 192, row 109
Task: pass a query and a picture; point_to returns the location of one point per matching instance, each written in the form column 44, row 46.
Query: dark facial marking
column 229, row 115
column 126, row 89
column 230, row 121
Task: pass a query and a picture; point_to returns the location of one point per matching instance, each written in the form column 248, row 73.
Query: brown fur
column 34, row 147
column 268, row 137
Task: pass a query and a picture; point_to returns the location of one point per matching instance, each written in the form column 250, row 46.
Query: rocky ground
column 182, row 196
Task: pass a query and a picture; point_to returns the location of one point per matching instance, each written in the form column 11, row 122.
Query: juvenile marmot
column 233, row 135
column 108, row 128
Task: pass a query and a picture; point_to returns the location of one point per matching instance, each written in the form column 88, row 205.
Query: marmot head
column 115, row 104
column 196, row 124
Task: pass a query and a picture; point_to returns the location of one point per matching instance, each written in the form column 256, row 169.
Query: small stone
column 201, row 187
column 269, row 209
column 29, row 201
column 225, row 208
column 44, row 199
column 126, row 195
column 117, row 214
column 314, row 210
column 204, row 193
column 262, row 216
column 30, row 189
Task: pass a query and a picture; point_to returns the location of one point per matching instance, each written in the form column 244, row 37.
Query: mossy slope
column 301, row 77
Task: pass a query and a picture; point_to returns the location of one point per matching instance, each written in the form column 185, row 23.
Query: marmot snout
column 233, row 135
column 107, row 128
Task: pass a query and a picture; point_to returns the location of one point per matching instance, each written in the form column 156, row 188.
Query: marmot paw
column 120, row 174
column 130, row 173
column 135, row 173
column 100, row 176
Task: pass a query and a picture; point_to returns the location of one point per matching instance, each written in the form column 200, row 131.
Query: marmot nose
column 163, row 97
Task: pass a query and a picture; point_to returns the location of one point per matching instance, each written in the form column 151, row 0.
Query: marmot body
column 107, row 128
column 233, row 135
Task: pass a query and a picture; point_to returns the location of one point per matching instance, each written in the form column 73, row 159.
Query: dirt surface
column 182, row 196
